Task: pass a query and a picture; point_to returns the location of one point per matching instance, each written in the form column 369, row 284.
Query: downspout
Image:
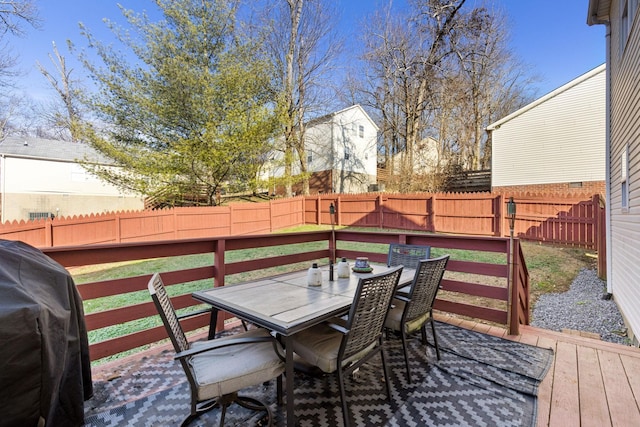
column 607, row 201
column 593, row 19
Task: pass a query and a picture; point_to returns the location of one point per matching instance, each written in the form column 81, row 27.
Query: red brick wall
column 590, row 187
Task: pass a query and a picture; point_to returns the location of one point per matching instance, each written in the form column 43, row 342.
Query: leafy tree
column 192, row 115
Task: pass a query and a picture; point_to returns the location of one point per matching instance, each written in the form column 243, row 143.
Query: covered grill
column 45, row 371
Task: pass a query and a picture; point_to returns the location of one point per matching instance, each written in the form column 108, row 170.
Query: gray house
column 41, row 178
column 622, row 148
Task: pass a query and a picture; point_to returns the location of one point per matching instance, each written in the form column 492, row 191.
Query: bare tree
column 404, row 57
column 62, row 116
column 435, row 78
column 14, row 14
column 302, row 45
column 491, row 82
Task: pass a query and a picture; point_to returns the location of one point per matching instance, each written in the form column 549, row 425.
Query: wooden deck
column 591, row 382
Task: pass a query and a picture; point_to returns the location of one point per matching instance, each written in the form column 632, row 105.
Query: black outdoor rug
column 480, row 380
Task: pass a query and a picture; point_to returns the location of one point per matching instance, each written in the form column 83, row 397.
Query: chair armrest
column 221, row 343
column 401, row 298
column 339, row 328
column 194, row 313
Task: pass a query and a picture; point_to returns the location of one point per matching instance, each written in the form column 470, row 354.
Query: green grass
column 551, row 269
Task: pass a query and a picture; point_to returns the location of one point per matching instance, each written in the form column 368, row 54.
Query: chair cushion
column 395, row 316
column 229, row 369
column 319, row 346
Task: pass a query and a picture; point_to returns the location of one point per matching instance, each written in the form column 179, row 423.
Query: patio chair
column 343, row 346
column 411, row 313
column 217, row 369
column 407, row 255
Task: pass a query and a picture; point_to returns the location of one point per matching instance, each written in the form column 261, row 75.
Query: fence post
column 601, row 235
column 118, row 230
column 500, row 216
column 48, row 232
column 271, row 215
column 514, row 286
column 219, row 272
column 433, row 214
column 430, row 209
column 380, row 215
column 175, row 222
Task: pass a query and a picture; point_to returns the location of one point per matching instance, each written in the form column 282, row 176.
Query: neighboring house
column 40, row 178
column 341, row 151
column 622, row 153
column 425, row 157
column 556, row 143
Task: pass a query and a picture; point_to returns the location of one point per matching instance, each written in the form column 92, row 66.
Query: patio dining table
column 286, row 305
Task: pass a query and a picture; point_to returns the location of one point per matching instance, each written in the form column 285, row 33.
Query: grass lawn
column 551, row 269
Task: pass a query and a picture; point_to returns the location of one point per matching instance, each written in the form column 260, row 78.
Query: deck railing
column 490, row 280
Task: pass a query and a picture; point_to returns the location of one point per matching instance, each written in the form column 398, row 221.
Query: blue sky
column 550, row 36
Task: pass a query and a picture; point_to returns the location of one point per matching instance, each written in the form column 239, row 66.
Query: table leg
column 291, row 419
column 213, row 323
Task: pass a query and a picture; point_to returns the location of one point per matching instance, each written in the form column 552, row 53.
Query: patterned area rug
column 481, row 380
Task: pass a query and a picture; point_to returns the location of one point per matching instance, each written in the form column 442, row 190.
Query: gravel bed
column 582, row 308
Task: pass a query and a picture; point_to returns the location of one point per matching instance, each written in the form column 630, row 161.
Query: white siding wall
column 361, row 147
column 559, row 140
column 327, row 140
column 625, row 131
column 59, row 187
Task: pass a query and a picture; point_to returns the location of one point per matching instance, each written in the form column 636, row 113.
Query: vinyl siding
column 560, row 140
column 625, row 129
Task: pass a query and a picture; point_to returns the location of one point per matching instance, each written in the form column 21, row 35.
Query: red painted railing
column 346, row 246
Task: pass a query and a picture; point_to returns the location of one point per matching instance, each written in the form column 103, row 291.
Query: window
column 624, row 179
column 624, row 27
column 310, row 157
column 629, row 9
column 347, row 154
column 361, row 131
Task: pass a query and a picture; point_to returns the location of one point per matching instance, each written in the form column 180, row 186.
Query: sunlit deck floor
column 591, row 382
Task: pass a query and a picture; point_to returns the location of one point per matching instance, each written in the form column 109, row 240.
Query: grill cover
column 45, row 371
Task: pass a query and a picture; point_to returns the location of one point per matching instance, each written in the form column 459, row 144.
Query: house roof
column 330, row 116
column 49, row 149
column 548, row 96
column 598, row 12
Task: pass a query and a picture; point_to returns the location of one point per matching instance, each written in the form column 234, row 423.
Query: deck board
column 632, row 372
column 565, row 403
column 593, row 400
column 622, row 404
column 546, row 387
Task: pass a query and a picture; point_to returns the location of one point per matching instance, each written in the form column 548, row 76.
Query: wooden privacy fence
column 491, row 279
column 574, row 220
column 163, row 224
column 571, row 220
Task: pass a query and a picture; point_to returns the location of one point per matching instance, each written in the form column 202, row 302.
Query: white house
column 425, row 157
column 341, row 150
column 40, row 178
column 556, row 143
column 622, row 152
